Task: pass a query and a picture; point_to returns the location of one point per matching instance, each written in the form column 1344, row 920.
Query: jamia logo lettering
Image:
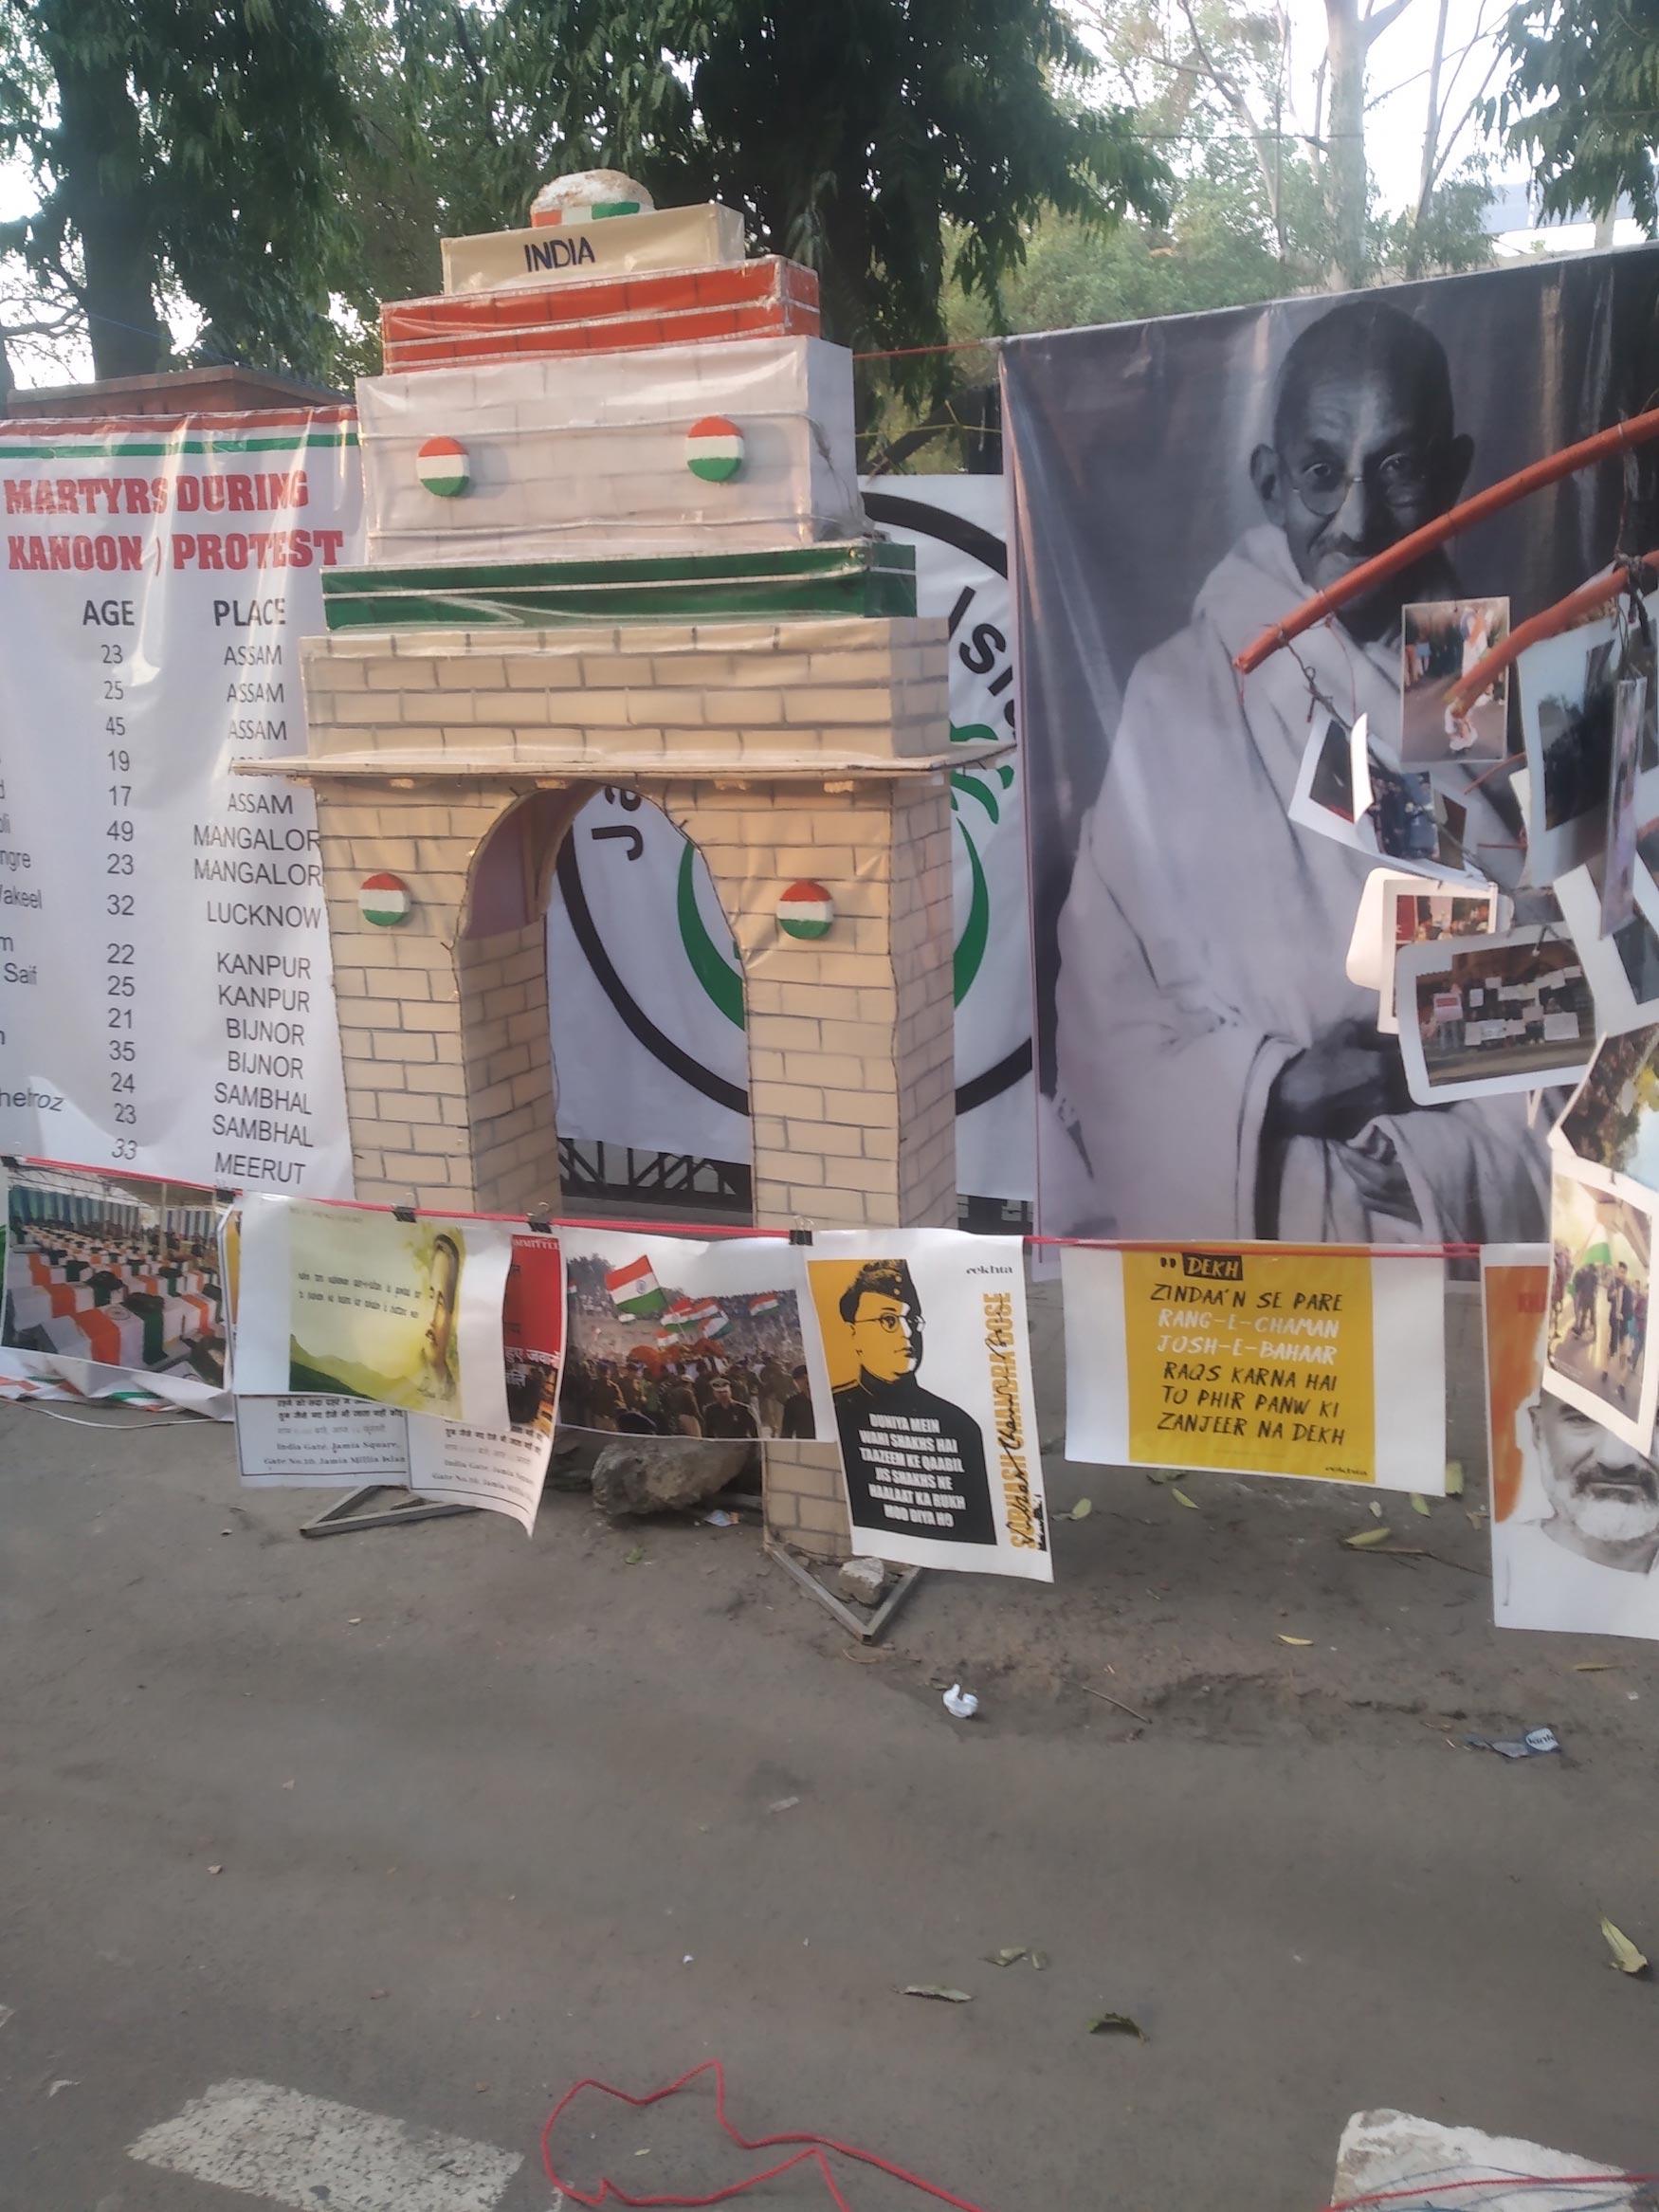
column 646, row 915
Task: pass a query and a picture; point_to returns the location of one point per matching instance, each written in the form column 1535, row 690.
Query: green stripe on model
column 103, row 449
column 867, row 593
column 859, row 557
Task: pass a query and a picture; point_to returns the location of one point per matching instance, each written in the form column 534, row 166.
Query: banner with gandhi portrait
column 1207, row 1067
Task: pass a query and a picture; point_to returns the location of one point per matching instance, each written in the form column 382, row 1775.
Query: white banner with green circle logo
column 646, row 995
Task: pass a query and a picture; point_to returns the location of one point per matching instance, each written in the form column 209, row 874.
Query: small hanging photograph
column 1612, row 1121
column 1481, row 1016
column 1619, row 859
column 1596, row 1355
column 1566, row 686
column 1441, row 641
column 1402, row 816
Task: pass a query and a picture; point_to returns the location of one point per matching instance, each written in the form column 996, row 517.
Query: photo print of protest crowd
column 1207, row 1063
column 650, row 1352
column 1596, row 1352
column 119, row 1271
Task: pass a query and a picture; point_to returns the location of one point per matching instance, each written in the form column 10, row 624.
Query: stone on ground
column 667, row 1474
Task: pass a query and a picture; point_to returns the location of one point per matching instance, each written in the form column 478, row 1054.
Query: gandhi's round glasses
column 1400, row 480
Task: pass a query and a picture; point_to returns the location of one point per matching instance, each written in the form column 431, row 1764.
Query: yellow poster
column 1327, row 1364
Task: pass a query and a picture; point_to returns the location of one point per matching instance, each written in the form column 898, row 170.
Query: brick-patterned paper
column 768, row 297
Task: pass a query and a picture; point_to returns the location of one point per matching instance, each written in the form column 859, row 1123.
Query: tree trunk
column 1346, row 179
column 98, row 157
column 1429, row 169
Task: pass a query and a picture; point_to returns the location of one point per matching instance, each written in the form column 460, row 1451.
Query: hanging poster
column 647, row 997
column 114, row 1272
column 669, row 1336
column 505, row 1472
column 165, row 995
column 920, row 1344
column 1596, row 1355
column 354, row 1302
column 1207, row 1067
column 1575, row 1511
column 1239, row 1358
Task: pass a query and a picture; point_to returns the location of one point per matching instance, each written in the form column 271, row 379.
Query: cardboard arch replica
column 649, row 569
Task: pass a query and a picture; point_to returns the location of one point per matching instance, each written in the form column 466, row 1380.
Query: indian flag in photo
column 634, row 1290
column 717, row 1323
column 768, row 1303
column 443, row 469
column 805, row 910
column 714, row 448
column 384, row 901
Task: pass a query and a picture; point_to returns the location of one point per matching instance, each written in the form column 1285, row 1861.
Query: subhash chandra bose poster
column 920, row 1346
column 1207, row 1067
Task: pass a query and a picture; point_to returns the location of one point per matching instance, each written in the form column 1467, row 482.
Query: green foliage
column 1582, row 102
column 180, row 144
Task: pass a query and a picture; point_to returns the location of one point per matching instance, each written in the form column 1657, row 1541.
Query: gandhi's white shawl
column 1202, row 947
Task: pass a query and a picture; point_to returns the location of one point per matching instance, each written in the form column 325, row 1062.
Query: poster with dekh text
column 359, row 1302
column 1248, row 1360
column 166, row 990
column 920, row 1344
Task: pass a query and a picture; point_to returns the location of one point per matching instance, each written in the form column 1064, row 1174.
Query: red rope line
column 812, row 2149
column 625, row 1225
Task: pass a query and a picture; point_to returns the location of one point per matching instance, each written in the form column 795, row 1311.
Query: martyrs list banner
column 1207, row 1067
column 165, row 995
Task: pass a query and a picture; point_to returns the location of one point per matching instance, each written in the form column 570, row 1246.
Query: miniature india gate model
column 615, row 538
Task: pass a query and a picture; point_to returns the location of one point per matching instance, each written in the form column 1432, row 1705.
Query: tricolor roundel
column 384, row 900
column 805, row 910
column 713, row 449
column 444, row 468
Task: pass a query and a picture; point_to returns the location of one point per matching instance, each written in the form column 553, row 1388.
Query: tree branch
column 1371, row 27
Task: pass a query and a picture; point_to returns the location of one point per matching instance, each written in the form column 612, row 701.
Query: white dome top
column 587, row 188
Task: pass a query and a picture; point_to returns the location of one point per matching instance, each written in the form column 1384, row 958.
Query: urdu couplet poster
column 1250, row 1360
column 920, row 1345
column 1207, row 1067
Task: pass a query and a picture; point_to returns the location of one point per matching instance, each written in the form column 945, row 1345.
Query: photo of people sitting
column 124, row 1273
column 664, row 1364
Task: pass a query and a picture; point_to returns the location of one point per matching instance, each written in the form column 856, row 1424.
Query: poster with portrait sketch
column 918, row 1340
column 1481, row 1016
column 1206, row 1068
column 356, row 1302
column 1574, row 1515
column 677, row 1337
column 1596, row 1352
